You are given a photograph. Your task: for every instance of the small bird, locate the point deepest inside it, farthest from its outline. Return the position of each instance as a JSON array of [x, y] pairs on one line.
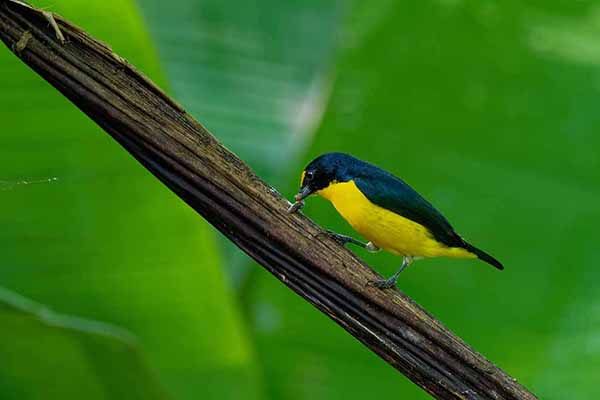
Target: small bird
[[385, 210]]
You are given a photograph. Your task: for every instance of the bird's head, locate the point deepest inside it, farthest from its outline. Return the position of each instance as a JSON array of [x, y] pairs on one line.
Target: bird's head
[[323, 171]]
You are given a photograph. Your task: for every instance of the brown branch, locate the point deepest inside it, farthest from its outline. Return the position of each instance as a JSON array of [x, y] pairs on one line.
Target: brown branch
[[219, 186]]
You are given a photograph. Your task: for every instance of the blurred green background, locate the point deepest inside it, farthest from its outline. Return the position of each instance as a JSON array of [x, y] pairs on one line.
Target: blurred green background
[[112, 288]]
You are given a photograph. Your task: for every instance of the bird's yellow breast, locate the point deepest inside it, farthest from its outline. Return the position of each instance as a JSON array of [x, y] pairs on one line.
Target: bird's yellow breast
[[386, 229]]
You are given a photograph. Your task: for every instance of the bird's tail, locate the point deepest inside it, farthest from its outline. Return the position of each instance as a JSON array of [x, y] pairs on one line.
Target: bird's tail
[[482, 255]]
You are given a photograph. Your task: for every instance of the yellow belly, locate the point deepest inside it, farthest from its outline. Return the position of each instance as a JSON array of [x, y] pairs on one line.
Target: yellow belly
[[384, 228]]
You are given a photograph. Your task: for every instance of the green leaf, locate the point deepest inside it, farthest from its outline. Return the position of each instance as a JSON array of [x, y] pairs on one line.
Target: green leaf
[[46, 355], [106, 240], [255, 73], [487, 109]]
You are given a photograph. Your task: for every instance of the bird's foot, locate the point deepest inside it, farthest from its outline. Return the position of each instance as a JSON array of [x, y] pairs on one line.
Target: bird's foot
[[392, 280], [384, 283], [343, 239]]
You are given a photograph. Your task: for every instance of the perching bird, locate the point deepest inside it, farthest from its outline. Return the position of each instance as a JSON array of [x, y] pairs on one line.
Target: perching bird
[[385, 210]]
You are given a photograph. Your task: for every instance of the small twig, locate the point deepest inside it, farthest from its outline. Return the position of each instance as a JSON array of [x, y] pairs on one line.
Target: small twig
[[297, 205], [11, 184], [50, 17]]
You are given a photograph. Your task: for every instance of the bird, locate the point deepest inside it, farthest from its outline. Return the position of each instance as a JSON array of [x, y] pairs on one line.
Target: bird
[[384, 209]]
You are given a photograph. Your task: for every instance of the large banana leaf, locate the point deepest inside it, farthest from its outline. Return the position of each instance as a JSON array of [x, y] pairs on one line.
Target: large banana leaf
[[489, 109], [46, 355], [106, 241], [252, 71], [255, 73]]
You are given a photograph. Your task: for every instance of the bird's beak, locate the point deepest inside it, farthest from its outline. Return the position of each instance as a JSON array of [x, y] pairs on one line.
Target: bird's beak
[[302, 194]]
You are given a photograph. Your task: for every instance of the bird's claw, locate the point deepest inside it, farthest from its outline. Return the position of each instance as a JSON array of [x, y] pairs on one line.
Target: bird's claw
[[329, 234], [341, 239], [332, 234], [383, 283]]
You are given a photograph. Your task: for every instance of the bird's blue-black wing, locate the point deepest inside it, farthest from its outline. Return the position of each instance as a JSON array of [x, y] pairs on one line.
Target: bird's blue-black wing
[[391, 193]]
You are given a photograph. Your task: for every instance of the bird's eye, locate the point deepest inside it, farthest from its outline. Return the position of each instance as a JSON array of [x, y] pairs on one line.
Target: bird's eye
[[309, 175]]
